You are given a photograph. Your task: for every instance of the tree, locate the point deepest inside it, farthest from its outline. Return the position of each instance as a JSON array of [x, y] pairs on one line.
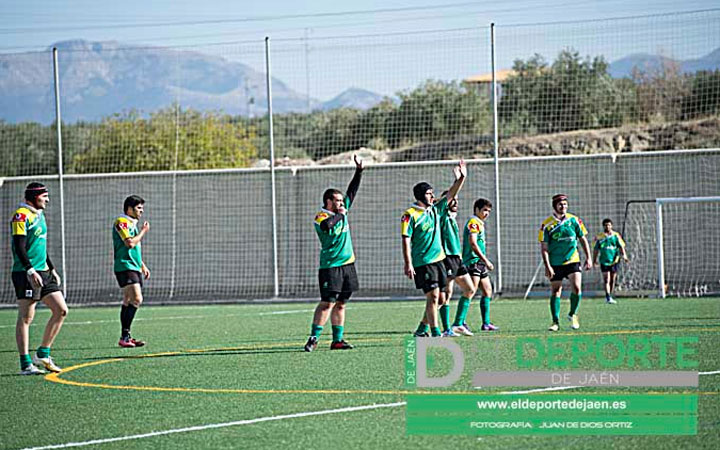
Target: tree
[[571, 94], [168, 139], [703, 98]]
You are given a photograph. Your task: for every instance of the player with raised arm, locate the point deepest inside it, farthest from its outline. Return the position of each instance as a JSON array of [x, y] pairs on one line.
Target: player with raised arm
[[422, 247], [130, 270], [558, 237], [337, 276], [476, 261], [456, 272], [35, 279], [609, 246]]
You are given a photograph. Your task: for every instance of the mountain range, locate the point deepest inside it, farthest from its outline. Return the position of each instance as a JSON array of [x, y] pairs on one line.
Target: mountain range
[[99, 79], [645, 62]]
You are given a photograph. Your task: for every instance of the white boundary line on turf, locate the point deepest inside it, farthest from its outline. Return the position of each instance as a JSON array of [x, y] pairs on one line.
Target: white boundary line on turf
[[714, 372], [220, 425], [247, 422], [92, 322]]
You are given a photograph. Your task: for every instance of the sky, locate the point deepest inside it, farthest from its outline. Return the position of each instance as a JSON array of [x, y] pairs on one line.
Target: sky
[[321, 47]]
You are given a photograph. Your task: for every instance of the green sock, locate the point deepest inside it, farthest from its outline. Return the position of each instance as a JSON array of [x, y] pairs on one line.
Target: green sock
[[25, 361], [485, 310], [422, 328], [574, 303], [435, 331], [43, 352], [337, 331], [445, 316], [316, 330], [462, 310], [555, 309]]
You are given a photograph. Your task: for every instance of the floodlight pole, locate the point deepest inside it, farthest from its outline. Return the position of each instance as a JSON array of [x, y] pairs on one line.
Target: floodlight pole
[[496, 151], [268, 78], [58, 122]]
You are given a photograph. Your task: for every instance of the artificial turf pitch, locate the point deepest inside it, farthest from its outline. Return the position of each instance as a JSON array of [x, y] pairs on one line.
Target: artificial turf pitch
[[207, 365]]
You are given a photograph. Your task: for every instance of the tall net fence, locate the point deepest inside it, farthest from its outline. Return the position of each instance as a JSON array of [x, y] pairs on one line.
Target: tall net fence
[[27, 110], [599, 187], [187, 128], [648, 79], [402, 93], [211, 231]]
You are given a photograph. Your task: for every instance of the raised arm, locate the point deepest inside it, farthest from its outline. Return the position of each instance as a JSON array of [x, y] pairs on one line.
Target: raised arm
[[355, 182], [460, 172]]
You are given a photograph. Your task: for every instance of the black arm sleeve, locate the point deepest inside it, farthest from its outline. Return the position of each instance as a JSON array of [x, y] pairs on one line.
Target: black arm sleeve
[[354, 185], [51, 266], [330, 222], [21, 252]]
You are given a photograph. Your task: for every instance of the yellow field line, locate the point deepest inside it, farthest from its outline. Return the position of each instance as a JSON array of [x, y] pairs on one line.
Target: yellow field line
[[56, 377]]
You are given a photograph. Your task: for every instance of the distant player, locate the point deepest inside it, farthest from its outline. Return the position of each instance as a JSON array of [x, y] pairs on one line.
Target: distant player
[[559, 236], [130, 270], [337, 276], [35, 278], [475, 259], [422, 247], [609, 246], [456, 271]]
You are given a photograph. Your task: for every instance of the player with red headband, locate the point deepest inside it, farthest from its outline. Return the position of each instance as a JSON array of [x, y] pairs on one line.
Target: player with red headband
[[35, 279], [559, 236]]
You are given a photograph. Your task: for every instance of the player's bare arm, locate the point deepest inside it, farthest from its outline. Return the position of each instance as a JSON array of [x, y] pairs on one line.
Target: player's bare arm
[[476, 249], [586, 249], [549, 272], [460, 173], [408, 268], [131, 242]]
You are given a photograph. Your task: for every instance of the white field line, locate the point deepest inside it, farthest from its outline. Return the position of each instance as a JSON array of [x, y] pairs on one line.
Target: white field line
[[221, 425], [274, 418], [93, 322]]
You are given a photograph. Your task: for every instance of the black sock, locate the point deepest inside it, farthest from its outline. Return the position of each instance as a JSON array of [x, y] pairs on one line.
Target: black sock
[[125, 327], [130, 315]]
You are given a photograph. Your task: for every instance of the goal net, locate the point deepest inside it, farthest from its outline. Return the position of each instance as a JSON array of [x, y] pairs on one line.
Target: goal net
[[671, 244]]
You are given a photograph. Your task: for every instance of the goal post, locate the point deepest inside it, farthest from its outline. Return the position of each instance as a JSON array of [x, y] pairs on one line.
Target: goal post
[[659, 203], [671, 247]]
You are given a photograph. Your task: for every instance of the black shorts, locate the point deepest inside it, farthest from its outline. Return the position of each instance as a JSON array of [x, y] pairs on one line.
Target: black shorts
[[564, 270], [478, 269], [431, 276], [128, 277], [612, 268], [336, 280], [25, 291], [454, 266]]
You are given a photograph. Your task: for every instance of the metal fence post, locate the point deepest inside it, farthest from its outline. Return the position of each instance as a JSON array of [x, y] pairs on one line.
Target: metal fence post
[[496, 151], [276, 283], [58, 122]]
